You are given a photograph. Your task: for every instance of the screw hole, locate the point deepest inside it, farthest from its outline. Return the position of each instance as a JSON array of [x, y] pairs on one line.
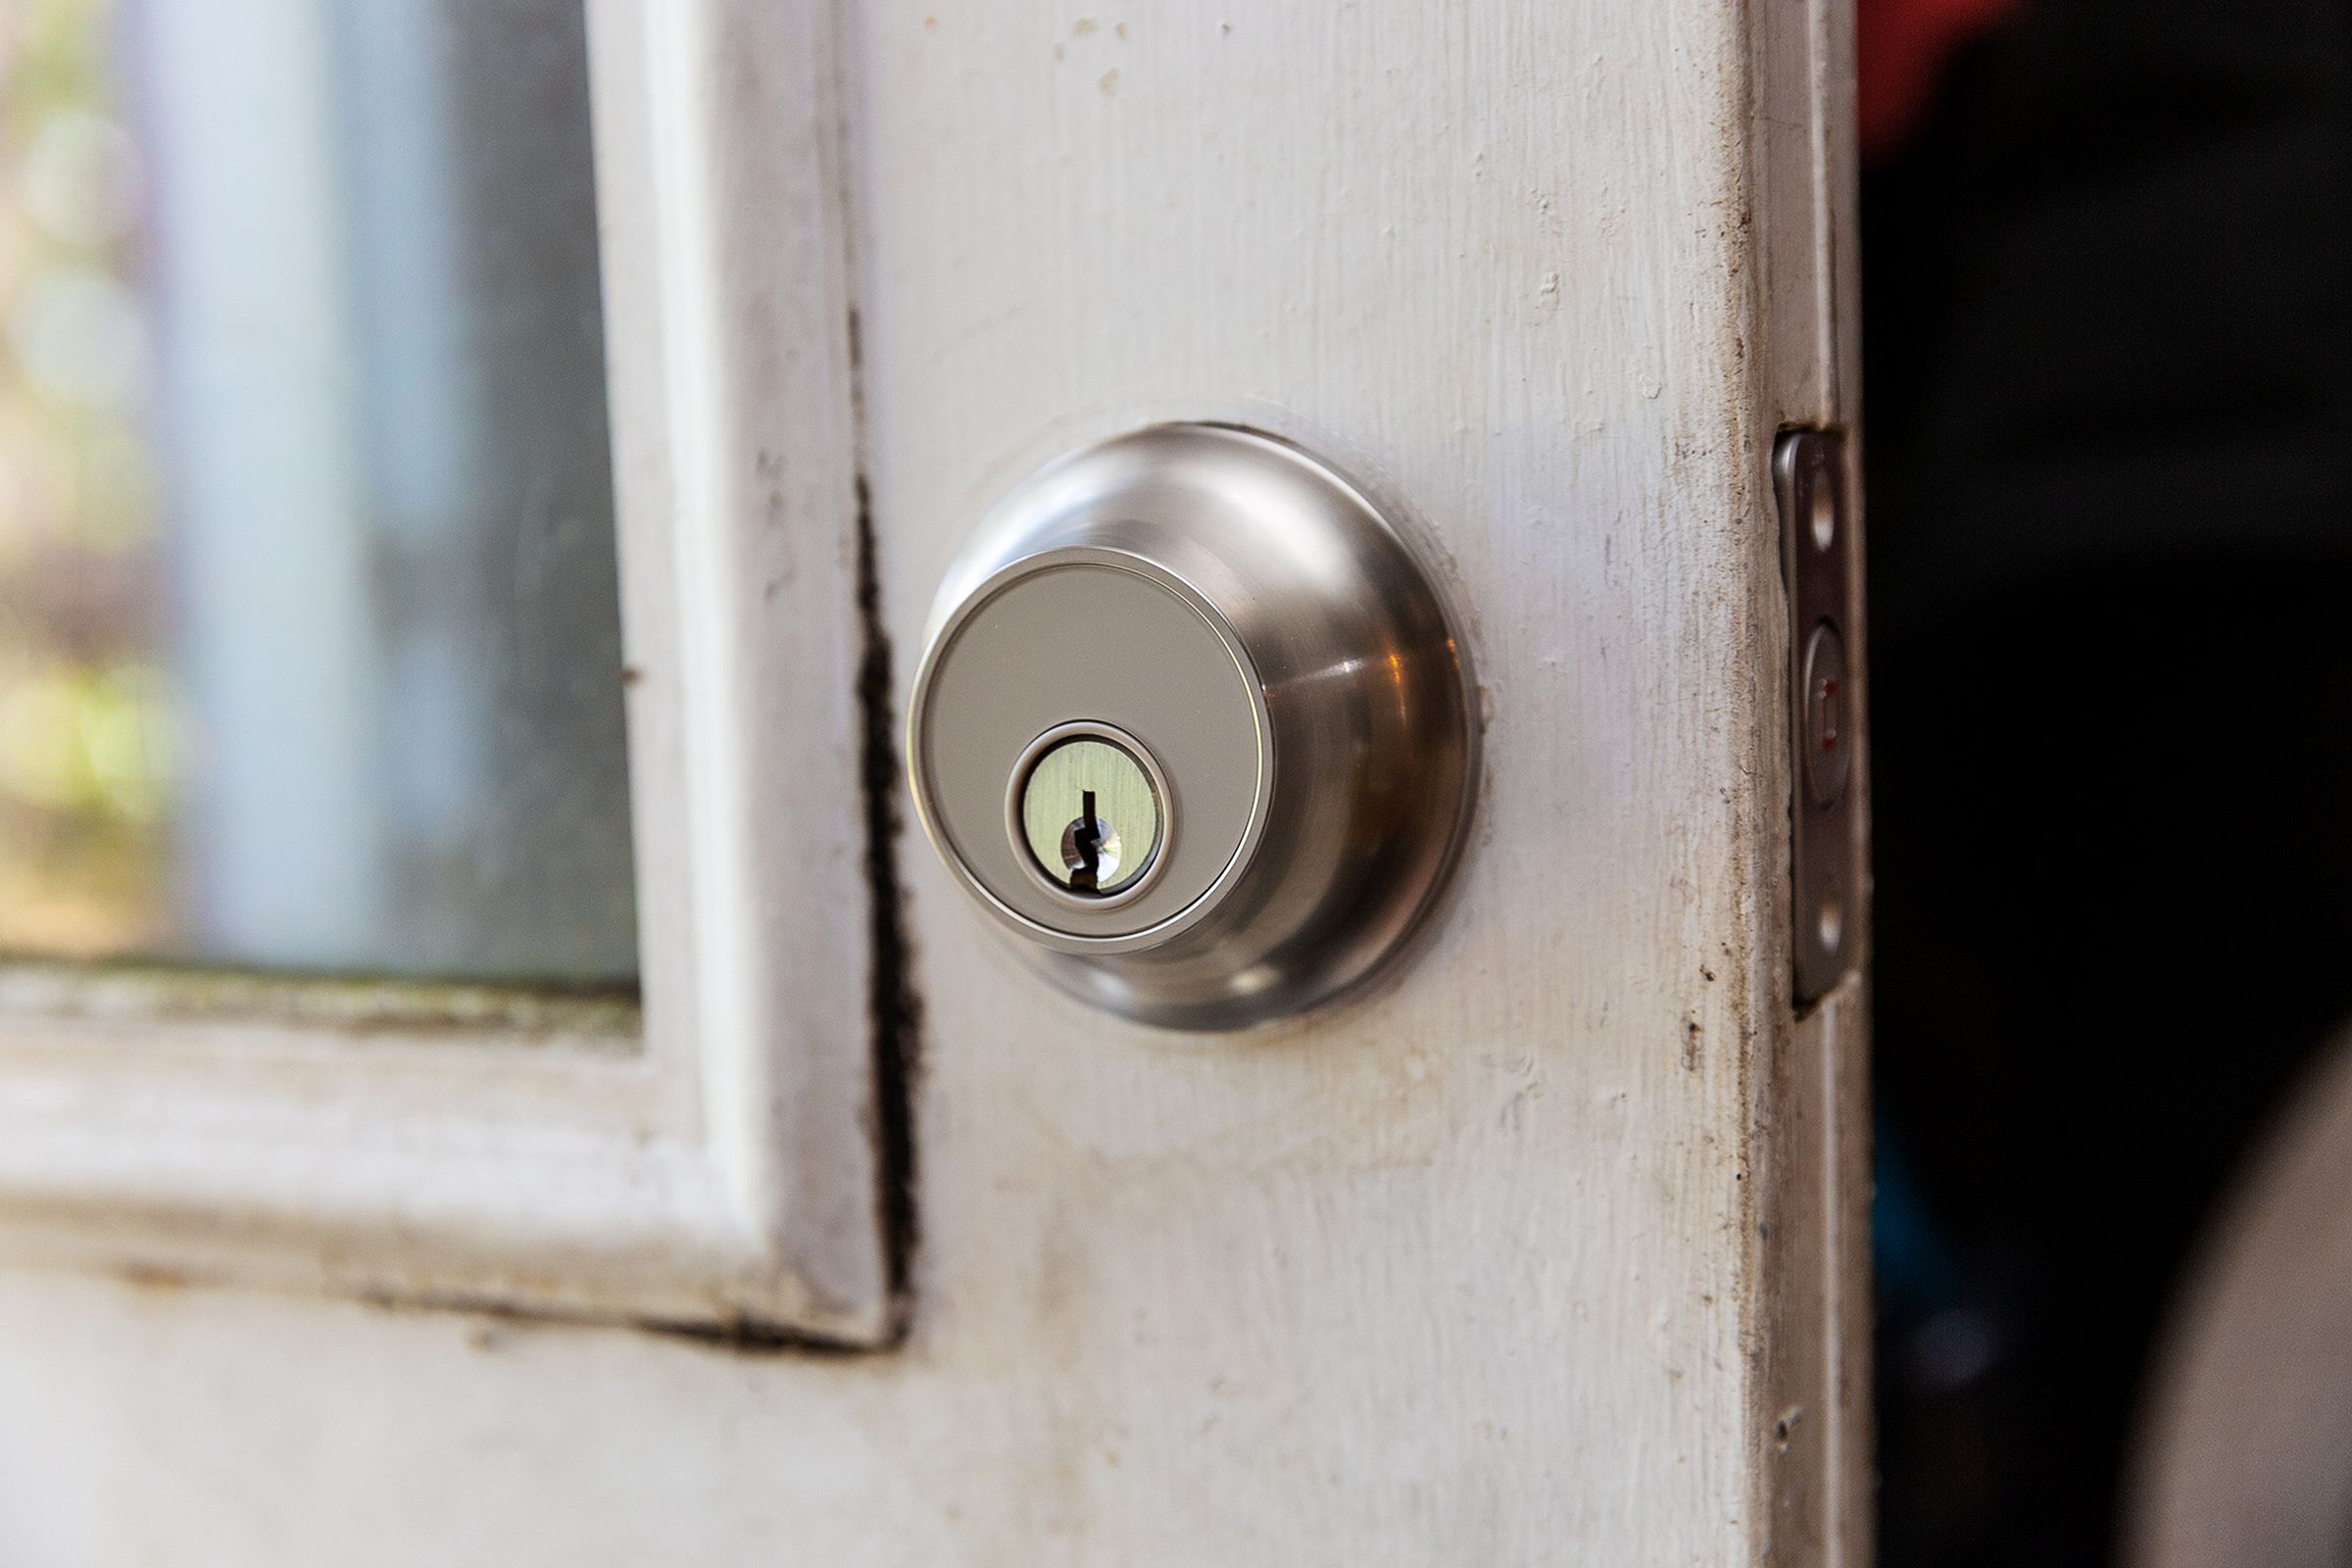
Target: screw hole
[[1821, 510], [1828, 922]]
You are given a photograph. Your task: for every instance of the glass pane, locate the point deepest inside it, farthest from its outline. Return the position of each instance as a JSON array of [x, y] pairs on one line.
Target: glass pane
[[309, 647]]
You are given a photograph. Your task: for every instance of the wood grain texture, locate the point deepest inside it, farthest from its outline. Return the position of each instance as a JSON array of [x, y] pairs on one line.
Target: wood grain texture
[[1460, 1272], [1520, 1259]]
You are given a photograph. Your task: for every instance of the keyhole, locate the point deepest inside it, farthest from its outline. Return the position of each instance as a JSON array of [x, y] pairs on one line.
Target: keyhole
[[1090, 849], [1086, 838], [1087, 855]]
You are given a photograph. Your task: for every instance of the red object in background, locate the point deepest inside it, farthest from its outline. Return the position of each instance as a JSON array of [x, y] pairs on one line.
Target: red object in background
[[1899, 50]]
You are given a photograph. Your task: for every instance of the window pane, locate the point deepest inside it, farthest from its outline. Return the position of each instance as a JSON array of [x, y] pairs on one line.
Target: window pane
[[310, 649]]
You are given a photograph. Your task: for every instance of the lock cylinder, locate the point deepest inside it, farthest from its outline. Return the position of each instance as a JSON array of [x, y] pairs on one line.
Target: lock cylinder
[[1100, 773], [1193, 723]]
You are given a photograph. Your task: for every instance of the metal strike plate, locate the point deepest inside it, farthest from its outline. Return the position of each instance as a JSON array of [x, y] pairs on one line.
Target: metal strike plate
[[1813, 483], [1193, 722]]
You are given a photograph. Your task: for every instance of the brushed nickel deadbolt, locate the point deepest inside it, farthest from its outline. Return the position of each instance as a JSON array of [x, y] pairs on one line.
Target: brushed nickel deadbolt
[[1192, 722]]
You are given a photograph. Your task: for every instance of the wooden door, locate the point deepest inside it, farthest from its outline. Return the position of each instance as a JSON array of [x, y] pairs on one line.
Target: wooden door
[[1548, 1247]]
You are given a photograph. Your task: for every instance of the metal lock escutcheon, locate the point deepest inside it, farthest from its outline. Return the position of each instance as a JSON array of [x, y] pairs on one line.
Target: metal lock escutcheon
[[1193, 723]]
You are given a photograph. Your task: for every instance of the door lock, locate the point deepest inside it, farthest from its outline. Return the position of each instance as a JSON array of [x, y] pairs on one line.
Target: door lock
[[1192, 722]]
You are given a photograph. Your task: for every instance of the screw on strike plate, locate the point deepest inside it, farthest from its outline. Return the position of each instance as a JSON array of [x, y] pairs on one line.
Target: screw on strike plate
[[1812, 482]]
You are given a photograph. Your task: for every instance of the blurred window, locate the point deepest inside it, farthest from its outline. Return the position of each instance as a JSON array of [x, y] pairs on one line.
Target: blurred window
[[309, 646]]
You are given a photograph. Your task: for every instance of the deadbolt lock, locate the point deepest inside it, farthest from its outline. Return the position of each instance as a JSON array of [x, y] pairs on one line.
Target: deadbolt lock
[[1193, 722]]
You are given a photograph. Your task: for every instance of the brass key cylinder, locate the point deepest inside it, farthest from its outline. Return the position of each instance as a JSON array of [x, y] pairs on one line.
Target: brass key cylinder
[[1192, 722]]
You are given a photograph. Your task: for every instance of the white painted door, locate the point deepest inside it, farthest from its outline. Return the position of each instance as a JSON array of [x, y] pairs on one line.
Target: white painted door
[[1546, 1248]]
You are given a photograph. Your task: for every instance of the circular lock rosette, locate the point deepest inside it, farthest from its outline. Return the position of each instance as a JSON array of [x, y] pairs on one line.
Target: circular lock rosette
[[1192, 722]]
